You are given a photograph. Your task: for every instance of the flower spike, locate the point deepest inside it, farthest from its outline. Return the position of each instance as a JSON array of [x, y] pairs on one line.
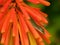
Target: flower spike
[[16, 26]]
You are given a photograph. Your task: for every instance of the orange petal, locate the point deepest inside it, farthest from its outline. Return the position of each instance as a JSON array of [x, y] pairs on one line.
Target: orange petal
[[44, 37], [33, 31], [46, 3], [23, 34]]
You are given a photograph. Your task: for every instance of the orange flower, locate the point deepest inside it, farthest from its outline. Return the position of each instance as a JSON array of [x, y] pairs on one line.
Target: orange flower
[[16, 25]]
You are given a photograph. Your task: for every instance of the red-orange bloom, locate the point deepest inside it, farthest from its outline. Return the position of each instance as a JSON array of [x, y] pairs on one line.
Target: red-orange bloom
[[21, 24]]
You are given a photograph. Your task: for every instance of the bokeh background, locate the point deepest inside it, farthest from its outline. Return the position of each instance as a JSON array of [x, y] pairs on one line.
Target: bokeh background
[[54, 21], [53, 27]]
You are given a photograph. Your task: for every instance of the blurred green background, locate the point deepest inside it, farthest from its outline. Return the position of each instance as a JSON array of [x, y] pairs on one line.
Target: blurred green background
[[53, 27]]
